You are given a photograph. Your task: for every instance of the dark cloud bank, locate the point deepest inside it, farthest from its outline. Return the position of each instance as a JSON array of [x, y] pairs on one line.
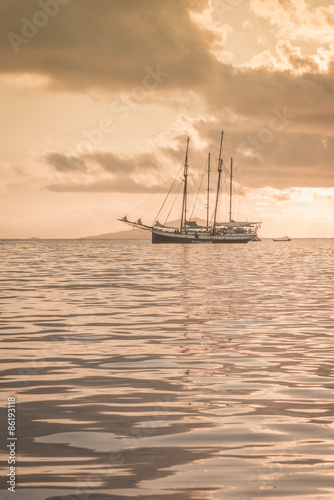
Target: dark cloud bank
[[283, 130]]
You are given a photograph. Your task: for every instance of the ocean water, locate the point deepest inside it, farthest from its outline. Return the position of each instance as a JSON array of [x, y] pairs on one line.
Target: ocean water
[[169, 372]]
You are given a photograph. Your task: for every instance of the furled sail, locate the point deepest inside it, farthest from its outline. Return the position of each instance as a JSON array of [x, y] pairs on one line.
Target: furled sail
[[191, 223]]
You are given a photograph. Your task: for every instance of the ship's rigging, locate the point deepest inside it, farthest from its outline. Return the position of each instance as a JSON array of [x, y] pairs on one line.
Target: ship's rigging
[[189, 231]]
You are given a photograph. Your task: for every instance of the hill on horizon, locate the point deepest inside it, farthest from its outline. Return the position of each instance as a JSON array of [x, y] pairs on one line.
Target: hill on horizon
[[135, 234], [132, 234]]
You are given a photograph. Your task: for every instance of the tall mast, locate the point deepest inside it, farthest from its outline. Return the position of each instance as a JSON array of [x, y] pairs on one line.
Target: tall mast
[[220, 168], [208, 195], [185, 190], [231, 177]]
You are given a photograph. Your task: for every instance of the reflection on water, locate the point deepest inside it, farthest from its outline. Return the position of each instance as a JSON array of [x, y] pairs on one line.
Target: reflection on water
[[174, 372]]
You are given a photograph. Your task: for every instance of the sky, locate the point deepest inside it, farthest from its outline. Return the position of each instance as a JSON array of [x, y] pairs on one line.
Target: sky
[[98, 98]]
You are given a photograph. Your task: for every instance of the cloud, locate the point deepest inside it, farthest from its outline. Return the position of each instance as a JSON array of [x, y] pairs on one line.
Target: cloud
[[115, 164], [120, 185], [282, 196], [296, 19], [253, 94], [283, 159], [295, 60], [107, 44], [293, 160], [63, 163], [105, 160], [104, 171], [290, 58], [288, 159]]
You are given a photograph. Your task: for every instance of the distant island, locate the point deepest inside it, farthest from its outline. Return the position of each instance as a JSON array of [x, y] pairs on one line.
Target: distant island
[[134, 234]]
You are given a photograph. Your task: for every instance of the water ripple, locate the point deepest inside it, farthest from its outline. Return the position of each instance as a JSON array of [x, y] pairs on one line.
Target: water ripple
[[170, 372]]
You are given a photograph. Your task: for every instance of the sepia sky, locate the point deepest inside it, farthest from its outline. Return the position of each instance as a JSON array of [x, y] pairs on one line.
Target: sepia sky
[[98, 97]]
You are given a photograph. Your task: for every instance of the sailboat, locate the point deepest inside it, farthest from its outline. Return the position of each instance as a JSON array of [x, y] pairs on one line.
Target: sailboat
[[191, 232]]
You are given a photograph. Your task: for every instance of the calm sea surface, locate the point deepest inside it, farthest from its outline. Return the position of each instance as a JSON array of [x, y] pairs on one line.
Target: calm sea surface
[[169, 372]]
